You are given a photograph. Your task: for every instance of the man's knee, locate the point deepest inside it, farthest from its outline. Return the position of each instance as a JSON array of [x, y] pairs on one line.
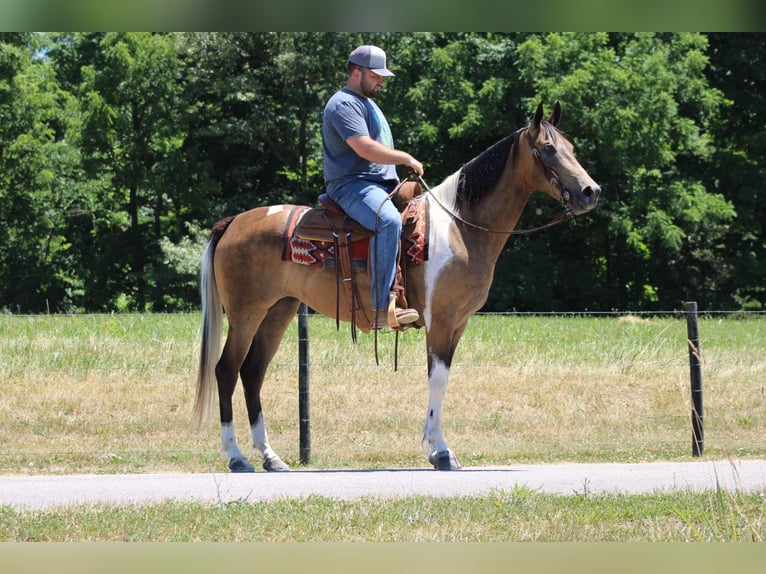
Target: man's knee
[[390, 217]]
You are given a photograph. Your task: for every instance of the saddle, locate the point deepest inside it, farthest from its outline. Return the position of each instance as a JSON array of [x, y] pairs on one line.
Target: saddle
[[329, 224]]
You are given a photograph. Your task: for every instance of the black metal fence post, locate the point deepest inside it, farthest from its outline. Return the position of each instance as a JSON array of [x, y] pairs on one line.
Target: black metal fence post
[[303, 384], [695, 371]]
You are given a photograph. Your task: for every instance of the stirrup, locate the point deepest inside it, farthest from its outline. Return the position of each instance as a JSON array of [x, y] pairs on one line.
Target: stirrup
[[403, 318], [395, 317], [398, 320]]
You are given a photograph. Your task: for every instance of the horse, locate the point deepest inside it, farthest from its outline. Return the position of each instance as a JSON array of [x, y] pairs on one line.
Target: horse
[[472, 213]]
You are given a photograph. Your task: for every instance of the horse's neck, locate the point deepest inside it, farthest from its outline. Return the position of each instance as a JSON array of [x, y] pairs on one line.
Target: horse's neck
[[499, 210], [503, 206]]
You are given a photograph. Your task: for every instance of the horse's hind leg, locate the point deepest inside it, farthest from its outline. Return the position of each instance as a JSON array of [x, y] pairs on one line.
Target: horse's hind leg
[[264, 345], [238, 342]]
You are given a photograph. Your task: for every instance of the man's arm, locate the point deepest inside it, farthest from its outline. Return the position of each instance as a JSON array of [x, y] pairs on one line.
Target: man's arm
[[371, 150]]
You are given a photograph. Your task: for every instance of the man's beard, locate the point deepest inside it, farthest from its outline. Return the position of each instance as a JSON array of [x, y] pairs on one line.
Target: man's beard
[[370, 92]]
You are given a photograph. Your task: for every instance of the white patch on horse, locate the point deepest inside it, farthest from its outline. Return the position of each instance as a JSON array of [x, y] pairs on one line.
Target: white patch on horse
[[229, 441], [261, 438], [433, 438], [439, 250], [275, 210]]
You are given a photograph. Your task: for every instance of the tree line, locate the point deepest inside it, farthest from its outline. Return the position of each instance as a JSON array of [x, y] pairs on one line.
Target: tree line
[[118, 151]]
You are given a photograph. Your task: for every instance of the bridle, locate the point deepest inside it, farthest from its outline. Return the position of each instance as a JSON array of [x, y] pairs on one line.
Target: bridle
[[549, 173]]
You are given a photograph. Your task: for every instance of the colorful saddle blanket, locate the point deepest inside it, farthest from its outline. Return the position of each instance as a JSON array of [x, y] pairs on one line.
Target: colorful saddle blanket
[[316, 253]]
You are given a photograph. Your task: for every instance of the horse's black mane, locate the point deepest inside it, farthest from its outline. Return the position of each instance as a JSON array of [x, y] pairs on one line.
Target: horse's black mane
[[479, 175]]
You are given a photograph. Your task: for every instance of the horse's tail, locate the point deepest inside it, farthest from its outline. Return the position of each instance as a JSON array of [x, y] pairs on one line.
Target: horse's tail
[[212, 326]]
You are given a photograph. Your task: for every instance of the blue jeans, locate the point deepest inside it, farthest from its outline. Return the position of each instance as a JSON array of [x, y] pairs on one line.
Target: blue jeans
[[367, 203]]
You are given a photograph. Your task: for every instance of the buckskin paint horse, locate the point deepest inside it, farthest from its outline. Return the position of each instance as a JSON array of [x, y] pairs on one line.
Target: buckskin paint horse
[[472, 214]]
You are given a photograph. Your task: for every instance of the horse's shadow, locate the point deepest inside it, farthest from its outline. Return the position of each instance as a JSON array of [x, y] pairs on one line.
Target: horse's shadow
[[382, 470]]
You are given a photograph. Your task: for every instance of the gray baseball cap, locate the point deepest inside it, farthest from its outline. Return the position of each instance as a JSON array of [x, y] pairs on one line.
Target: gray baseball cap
[[371, 57]]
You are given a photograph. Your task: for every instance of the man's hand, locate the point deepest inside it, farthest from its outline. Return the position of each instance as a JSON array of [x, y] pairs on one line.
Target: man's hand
[[414, 166]]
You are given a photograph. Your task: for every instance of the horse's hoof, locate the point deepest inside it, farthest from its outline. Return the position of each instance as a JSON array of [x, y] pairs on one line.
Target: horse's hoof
[[240, 465], [275, 464], [445, 460]]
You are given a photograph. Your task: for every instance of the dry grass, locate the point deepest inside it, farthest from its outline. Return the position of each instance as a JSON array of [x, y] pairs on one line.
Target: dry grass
[[114, 393]]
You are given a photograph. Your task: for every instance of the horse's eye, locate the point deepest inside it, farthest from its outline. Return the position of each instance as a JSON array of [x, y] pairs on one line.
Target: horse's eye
[[549, 148]]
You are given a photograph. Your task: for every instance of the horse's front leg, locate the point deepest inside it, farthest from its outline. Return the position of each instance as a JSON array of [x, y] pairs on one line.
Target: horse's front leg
[[440, 455]]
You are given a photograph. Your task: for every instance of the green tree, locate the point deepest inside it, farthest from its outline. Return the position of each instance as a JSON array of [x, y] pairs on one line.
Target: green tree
[[257, 100], [453, 96], [132, 134], [39, 171], [738, 170], [118, 150], [639, 109], [309, 69]]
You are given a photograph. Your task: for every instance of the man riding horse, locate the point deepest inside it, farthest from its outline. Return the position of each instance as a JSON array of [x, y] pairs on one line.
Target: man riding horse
[[360, 172]]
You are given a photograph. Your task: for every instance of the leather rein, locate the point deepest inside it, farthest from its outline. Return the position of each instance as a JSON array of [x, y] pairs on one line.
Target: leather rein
[[549, 174]]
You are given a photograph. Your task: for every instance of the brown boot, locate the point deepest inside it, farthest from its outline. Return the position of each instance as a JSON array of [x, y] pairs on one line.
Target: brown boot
[[395, 319]]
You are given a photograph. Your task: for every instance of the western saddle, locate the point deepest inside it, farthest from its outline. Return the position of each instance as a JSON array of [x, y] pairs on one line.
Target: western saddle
[[329, 223]]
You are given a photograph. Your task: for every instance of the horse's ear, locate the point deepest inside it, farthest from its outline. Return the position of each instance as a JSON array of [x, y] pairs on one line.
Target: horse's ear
[[556, 115], [538, 115]]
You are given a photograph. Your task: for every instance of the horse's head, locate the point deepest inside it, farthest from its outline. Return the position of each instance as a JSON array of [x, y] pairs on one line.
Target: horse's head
[[560, 174]]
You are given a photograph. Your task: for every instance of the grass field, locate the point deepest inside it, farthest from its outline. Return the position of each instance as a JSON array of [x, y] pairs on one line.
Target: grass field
[[114, 393], [518, 515]]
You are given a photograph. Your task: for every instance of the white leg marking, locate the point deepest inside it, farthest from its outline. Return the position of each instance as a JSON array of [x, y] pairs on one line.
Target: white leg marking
[[261, 439], [229, 441], [439, 256], [433, 438]]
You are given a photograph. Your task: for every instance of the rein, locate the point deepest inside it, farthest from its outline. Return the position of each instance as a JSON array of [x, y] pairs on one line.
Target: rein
[[560, 218], [549, 173]]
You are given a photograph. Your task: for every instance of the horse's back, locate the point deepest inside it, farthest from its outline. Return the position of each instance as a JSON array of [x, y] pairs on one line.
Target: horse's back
[[259, 223], [248, 256]]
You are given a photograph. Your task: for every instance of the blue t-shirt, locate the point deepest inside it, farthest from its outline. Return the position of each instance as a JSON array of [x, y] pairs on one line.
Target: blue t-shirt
[[346, 115]]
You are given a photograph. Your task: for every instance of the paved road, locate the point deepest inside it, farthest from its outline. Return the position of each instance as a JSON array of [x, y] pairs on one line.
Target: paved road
[[34, 492]]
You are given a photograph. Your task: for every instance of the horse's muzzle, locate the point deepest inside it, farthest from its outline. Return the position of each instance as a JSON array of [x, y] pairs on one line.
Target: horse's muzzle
[[583, 200]]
